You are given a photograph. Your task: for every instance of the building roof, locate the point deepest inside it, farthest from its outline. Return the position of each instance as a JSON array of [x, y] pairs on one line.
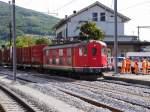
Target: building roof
[[63, 21]]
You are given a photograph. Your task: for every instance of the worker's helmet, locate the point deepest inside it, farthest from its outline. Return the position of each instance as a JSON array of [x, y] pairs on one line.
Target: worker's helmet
[[128, 57]]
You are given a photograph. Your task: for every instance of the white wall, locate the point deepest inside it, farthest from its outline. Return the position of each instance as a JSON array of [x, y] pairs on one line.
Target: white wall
[[122, 49], [107, 26], [63, 30]]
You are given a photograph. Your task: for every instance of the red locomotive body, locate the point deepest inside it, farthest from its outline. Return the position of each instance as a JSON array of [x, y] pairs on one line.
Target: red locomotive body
[[87, 57]]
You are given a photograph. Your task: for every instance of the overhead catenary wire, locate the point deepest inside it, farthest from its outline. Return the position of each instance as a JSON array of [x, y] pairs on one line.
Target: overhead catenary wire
[[65, 5], [112, 6], [135, 5]]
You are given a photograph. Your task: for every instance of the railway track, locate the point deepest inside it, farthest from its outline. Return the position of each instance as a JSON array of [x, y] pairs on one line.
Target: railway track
[[93, 102], [88, 100], [11, 102], [108, 90], [97, 103], [115, 94], [124, 83], [92, 88]]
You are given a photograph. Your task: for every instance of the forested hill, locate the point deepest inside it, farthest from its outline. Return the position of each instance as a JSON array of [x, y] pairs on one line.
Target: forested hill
[[27, 21]]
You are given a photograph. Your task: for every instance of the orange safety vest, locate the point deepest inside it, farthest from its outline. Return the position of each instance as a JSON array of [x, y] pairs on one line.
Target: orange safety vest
[[124, 63], [128, 63], [136, 65], [144, 64]]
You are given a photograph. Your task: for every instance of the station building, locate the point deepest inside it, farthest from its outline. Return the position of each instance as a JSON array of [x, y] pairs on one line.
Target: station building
[[103, 16]]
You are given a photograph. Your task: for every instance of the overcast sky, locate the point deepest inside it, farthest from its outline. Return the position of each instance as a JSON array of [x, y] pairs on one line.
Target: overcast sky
[[137, 10]]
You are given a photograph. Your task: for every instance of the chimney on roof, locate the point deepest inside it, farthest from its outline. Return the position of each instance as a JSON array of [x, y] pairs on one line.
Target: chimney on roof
[[66, 16], [74, 11]]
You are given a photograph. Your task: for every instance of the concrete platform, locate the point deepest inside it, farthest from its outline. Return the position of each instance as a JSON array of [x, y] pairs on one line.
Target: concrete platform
[[129, 78]]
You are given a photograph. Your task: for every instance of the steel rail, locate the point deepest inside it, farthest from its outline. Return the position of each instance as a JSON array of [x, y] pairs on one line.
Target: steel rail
[[93, 102], [15, 97]]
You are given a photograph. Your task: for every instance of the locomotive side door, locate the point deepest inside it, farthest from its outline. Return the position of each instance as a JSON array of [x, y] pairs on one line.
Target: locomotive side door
[[94, 55]]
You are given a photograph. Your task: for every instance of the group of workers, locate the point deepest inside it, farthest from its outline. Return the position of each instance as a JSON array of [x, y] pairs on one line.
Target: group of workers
[[126, 66]]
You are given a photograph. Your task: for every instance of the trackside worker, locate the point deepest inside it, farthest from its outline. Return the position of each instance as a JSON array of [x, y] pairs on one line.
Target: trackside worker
[[128, 65], [144, 66], [123, 68], [136, 68]]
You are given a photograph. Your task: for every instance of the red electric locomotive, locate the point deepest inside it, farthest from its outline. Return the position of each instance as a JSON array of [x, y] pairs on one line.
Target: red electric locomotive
[[85, 57]]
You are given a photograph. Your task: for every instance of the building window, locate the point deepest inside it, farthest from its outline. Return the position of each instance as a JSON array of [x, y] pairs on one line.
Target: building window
[[59, 35], [94, 16], [102, 16]]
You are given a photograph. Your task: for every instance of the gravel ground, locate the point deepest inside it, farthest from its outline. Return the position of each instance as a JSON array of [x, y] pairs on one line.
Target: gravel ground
[[105, 97], [47, 89], [126, 98]]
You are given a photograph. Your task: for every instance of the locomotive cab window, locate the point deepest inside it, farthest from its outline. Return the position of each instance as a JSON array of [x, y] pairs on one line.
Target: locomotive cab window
[[83, 51], [94, 51]]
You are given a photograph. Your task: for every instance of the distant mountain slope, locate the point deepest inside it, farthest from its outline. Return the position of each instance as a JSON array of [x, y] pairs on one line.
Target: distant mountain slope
[[27, 21]]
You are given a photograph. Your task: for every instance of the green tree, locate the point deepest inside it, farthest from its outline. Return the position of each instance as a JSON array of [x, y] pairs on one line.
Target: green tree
[[90, 31], [25, 41], [43, 40]]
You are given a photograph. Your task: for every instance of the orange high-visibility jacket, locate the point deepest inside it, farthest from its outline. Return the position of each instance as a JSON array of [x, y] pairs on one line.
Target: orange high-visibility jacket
[[124, 63], [144, 64], [136, 65], [128, 63]]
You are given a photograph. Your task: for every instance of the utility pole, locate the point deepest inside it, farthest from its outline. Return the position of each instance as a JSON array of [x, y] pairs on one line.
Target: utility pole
[[14, 39], [115, 36], [10, 24], [138, 32]]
